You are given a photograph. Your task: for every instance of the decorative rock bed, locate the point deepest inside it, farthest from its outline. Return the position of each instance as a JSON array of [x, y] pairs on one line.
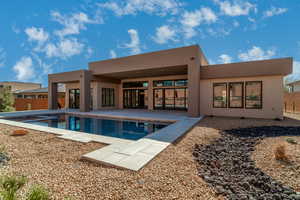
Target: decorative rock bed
[[226, 164]]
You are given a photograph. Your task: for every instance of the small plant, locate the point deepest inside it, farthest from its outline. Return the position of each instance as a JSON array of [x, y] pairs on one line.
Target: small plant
[[2, 149], [291, 141], [280, 153], [3, 155], [9, 185], [38, 192]]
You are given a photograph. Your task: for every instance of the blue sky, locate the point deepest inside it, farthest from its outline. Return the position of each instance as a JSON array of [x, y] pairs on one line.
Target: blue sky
[[41, 37]]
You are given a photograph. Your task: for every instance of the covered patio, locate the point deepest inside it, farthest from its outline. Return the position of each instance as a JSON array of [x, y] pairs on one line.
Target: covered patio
[[169, 65]]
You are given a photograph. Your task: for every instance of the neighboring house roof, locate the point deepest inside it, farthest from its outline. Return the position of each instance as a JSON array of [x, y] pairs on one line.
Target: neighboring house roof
[[39, 90], [19, 82], [294, 82]]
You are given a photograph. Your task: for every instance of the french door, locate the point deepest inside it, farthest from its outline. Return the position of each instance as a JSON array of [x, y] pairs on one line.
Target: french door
[[171, 98], [135, 98]]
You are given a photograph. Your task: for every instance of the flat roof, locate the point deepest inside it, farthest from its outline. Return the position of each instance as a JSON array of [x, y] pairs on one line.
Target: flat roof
[[278, 66], [39, 90], [20, 82]]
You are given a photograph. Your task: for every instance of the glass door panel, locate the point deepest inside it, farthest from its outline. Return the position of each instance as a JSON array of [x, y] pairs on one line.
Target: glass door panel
[[158, 98], [169, 99], [74, 98], [180, 99], [135, 98]]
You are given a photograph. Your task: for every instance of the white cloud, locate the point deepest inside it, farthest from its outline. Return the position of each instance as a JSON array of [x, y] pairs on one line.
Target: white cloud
[[224, 58], [15, 29], [65, 48], [274, 11], [45, 68], [73, 24], [237, 8], [113, 54], [2, 57], [132, 7], [24, 69], [191, 20], [164, 34], [134, 44], [37, 34], [89, 52], [257, 53]]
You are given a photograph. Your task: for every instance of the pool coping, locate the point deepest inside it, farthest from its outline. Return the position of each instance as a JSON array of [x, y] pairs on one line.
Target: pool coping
[[122, 153]]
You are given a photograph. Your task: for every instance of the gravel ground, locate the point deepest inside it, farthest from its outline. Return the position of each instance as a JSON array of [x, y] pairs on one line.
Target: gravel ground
[[172, 174], [55, 164], [287, 173]]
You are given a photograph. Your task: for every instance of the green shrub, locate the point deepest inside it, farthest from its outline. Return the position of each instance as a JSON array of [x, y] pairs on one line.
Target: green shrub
[[291, 141], [3, 155], [9, 185], [38, 192]]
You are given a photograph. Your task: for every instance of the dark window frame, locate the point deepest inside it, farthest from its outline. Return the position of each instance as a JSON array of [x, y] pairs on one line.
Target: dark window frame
[[261, 94], [226, 85], [243, 94], [108, 97]]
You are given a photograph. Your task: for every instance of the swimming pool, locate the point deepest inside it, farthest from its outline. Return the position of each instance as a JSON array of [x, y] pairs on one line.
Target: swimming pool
[[125, 129]]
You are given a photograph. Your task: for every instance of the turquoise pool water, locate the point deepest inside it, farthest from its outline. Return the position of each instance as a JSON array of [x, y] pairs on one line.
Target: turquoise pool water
[[126, 129]]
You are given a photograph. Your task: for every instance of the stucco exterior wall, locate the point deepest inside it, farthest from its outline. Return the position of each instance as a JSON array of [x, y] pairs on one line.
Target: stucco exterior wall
[[272, 95], [96, 88]]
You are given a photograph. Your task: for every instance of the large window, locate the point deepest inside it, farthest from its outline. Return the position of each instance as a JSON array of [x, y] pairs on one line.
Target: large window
[[236, 94], [254, 94], [108, 97], [220, 95]]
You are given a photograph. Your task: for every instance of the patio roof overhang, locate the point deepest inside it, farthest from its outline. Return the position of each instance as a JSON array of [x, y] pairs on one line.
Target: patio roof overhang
[[162, 71]]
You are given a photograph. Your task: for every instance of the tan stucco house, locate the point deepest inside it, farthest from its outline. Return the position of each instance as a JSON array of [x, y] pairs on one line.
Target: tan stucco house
[[176, 79]]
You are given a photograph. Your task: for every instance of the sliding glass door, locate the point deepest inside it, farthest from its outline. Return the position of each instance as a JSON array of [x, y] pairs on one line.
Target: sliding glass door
[[135, 98], [171, 99]]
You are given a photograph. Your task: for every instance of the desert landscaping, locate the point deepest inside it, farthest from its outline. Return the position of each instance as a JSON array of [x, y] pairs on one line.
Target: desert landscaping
[[176, 173]]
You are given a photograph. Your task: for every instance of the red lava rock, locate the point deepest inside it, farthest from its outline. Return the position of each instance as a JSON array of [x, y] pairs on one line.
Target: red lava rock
[[19, 132]]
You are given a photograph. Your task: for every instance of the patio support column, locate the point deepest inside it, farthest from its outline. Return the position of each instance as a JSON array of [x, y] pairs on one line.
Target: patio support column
[[194, 87], [150, 95], [85, 91], [52, 95]]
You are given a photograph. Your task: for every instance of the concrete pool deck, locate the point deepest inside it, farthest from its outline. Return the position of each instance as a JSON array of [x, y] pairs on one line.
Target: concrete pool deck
[[128, 154]]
